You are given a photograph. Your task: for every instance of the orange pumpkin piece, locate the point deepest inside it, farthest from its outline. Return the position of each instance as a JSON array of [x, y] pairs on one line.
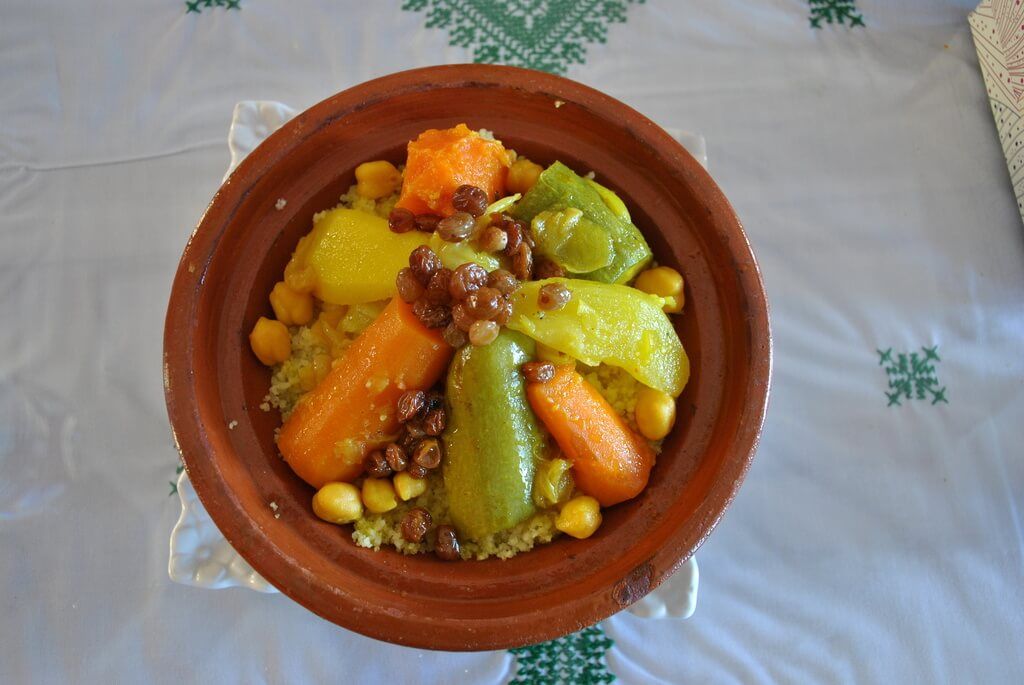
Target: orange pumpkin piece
[[352, 411], [610, 462], [439, 161]]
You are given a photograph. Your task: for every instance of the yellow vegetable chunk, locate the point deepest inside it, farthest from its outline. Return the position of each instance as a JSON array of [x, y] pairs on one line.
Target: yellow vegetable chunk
[[614, 324], [354, 257], [271, 341], [655, 413], [338, 503], [580, 517], [664, 282]]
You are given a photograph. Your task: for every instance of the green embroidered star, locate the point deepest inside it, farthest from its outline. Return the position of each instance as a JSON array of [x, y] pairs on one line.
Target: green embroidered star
[[196, 5], [548, 35], [834, 12], [574, 659], [912, 376]]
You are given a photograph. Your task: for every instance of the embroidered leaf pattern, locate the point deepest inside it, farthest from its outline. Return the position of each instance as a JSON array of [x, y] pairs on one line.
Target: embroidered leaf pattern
[[548, 35], [577, 659], [842, 12]]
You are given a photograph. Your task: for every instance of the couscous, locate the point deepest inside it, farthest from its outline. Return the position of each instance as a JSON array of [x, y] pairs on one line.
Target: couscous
[[459, 360]]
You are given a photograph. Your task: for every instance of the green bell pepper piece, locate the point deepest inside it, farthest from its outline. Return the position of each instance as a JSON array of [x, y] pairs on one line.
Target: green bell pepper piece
[[558, 188]]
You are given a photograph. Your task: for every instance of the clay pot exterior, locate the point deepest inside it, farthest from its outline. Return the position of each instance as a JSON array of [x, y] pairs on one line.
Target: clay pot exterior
[[239, 251]]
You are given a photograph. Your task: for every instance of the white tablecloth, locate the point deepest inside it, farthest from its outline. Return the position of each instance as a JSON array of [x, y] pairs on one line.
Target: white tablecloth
[[877, 537]]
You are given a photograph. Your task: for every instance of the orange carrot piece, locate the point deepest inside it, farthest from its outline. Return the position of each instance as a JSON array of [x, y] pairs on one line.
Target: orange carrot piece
[[610, 462], [439, 161], [352, 411]]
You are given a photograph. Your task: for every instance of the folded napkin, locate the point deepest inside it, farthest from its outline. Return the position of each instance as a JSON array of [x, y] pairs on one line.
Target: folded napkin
[[998, 29]]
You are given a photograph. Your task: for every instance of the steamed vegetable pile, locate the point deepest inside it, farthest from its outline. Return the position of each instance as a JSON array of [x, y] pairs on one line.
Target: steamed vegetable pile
[[485, 296]]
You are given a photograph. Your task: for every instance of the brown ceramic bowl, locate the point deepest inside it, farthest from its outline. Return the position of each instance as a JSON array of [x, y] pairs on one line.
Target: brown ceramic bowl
[[240, 249]]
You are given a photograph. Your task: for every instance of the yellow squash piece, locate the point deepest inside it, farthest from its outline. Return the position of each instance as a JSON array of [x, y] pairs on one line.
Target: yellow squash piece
[[613, 324], [353, 257]]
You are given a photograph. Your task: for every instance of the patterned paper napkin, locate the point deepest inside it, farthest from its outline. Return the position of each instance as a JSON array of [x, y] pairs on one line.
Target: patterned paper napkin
[[998, 28]]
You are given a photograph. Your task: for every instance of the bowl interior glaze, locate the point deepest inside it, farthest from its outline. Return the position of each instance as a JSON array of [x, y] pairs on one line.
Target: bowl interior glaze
[[239, 251]]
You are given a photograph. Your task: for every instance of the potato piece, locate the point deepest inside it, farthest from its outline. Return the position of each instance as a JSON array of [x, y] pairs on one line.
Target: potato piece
[[354, 257]]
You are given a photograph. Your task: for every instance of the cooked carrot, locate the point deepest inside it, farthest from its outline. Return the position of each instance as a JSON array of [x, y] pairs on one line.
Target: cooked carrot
[[610, 462], [439, 161], [352, 411]]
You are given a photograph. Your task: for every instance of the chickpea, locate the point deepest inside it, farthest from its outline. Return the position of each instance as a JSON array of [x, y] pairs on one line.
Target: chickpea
[[292, 308], [655, 413], [271, 341], [377, 179], [580, 517], [338, 503], [379, 495], [407, 487], [663, 281], [522, 175]]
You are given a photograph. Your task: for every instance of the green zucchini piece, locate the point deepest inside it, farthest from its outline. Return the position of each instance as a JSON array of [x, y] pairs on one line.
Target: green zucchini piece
[[558, 188], [572, 241], [610, 324], [611, 200], [493, 442]]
